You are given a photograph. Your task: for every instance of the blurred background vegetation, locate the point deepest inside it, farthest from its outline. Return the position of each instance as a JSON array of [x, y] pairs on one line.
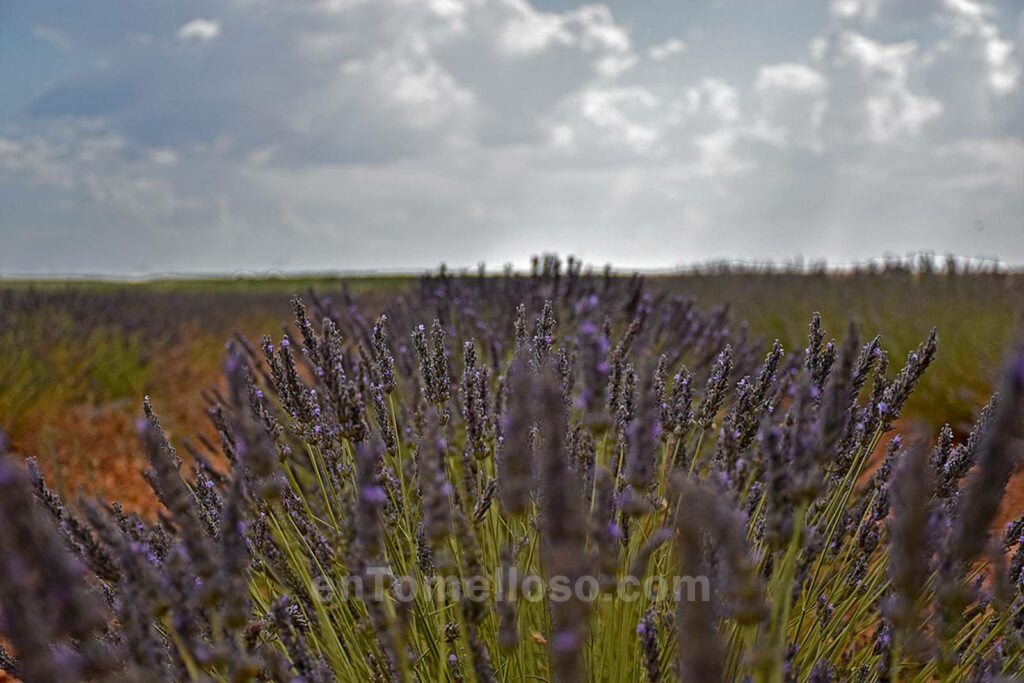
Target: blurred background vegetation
[[76, 358]]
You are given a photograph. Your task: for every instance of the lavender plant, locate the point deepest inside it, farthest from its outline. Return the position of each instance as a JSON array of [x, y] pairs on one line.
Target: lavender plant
[[561, 476]]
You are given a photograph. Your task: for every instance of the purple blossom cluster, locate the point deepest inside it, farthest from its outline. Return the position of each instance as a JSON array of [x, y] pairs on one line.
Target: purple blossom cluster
[[562, 423]]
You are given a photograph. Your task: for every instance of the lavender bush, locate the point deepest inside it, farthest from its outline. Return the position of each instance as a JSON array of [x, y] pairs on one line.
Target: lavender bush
[[569, 427]]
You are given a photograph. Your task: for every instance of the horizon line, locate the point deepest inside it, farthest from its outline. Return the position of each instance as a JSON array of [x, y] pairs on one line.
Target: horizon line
[[917, 261]]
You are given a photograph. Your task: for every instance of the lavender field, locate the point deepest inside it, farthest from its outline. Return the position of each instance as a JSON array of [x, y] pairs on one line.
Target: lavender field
[[562, 474], [299, 383]]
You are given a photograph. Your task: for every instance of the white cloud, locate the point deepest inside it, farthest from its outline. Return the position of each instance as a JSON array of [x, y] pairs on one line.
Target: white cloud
[[469, 129], [199, 30], [449, 9], [88, 165], [966, 8], [718, 97], [590, 27], [902, 15], [52, 36], [718, 159], [866, 10], [667, 49], [598, 29], [975, 31], [894, 114], [789, 76], [418, 89], [531, 32], [874, 97], [163, 157], [609, 110], [874, 58], [793, 104]]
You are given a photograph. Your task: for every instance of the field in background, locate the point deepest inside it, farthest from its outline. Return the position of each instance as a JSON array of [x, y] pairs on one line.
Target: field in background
[[975, 315], [76, 358]]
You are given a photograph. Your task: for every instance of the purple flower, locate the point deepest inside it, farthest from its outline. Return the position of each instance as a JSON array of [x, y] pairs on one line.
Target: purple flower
[[566, 641], [374, 495]]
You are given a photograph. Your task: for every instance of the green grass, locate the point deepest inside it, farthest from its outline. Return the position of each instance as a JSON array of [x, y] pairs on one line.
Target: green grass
[[974, 314], [45, 362], [66, 370], [254, 284]]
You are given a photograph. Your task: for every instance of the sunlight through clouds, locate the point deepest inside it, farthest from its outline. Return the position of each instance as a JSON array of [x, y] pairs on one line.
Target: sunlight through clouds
[[523, 116]]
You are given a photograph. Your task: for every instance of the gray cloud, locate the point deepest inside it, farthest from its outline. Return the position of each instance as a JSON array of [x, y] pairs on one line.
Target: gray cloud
[[251, 134]]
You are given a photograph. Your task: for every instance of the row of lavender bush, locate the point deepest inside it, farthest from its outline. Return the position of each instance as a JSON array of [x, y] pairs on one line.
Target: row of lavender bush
[[561, 424]]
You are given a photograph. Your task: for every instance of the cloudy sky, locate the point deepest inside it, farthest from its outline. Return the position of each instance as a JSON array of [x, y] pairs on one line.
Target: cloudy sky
[[142, 136]]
